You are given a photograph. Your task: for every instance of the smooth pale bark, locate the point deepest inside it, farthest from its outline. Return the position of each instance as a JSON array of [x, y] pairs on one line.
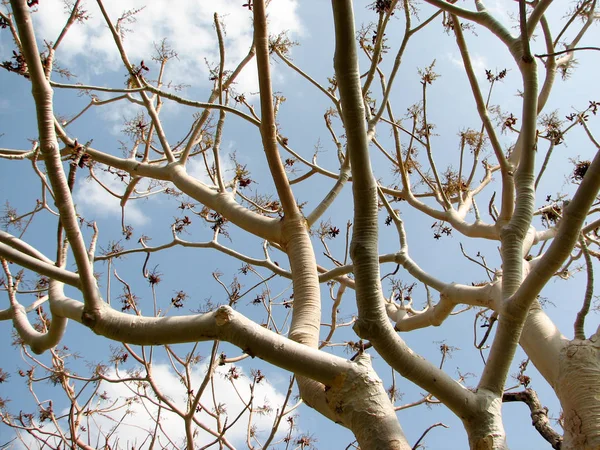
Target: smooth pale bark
[[485, 429], [575, 376], [39, 266], [306, 317], [346, 392], [578, 389], [480, 412], [514, 233], [572, 367], [42, 95], [367, 409], [38, 341], [543, 342], [488, 433], [223, 203], [295, 240], [364, 245]]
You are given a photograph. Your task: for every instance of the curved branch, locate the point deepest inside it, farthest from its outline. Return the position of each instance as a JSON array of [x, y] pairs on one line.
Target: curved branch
[[41, 341], [372, 323], [579, 325], [268, 127], [42, 94], [507, 179], [331, 195], [39, 266], [482, 17], [485, 296], [539, 415]]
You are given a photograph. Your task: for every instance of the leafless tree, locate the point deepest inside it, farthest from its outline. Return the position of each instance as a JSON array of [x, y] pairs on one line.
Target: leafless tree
[[294, 333]]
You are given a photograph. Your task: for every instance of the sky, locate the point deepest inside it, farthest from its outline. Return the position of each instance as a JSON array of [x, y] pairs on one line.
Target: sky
[[90, 54]]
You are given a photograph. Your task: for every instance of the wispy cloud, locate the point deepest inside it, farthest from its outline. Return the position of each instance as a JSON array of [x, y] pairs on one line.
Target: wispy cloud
[[500, 10], [137, 418], [479, 63], [189, 27], [94, 201]]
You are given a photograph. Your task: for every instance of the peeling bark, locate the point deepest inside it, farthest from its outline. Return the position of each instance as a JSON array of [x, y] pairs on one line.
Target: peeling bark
[[485, 429], [539, 415], [578, 388]]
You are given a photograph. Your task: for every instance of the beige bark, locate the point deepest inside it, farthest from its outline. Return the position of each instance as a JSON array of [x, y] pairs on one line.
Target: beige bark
[[344, 391], [578, 390], [572, 367]]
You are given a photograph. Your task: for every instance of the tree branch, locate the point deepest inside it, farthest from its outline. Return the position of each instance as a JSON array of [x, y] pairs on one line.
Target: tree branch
[[539, 415], [42, 94]]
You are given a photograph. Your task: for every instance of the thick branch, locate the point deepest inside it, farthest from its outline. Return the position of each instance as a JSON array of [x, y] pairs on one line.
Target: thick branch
[[539, 415], [268, 127], [42, 94], [513, 237], [373, 323]]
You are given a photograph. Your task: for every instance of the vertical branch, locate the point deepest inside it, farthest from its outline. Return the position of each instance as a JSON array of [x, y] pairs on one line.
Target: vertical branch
[[268, 127], [384, 17], [507, 180], [306, 318], [139, 83], [440, 189], [513, 234], [527, 56], [52, 49], [544, 165], [579, 325], [196, 134], [216, 147], [363, 249], [221, 56], [550, 65], [528, 26], [221, 122], [42, 94], [373, 323]]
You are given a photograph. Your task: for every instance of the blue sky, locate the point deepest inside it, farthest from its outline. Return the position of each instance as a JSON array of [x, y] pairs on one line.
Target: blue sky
[[90, 54]]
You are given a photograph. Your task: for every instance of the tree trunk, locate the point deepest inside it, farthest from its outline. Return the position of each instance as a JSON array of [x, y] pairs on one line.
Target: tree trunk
[[578, 389], [485, 429], [572, 368]]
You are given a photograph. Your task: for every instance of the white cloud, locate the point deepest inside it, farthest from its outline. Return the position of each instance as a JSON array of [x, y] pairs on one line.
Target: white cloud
[[117, 113], [138, 415], [499, 9], [478, 62], [93, 201], [188, 26]]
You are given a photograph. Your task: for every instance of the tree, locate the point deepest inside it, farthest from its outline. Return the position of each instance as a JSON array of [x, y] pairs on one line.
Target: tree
[[246, 200]]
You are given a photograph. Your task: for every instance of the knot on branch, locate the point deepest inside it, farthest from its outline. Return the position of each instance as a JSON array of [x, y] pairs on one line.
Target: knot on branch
[[293, 228], [357, 395], [361, 249], [365, 328], [89, 318], [49, 148], [223, 315]]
